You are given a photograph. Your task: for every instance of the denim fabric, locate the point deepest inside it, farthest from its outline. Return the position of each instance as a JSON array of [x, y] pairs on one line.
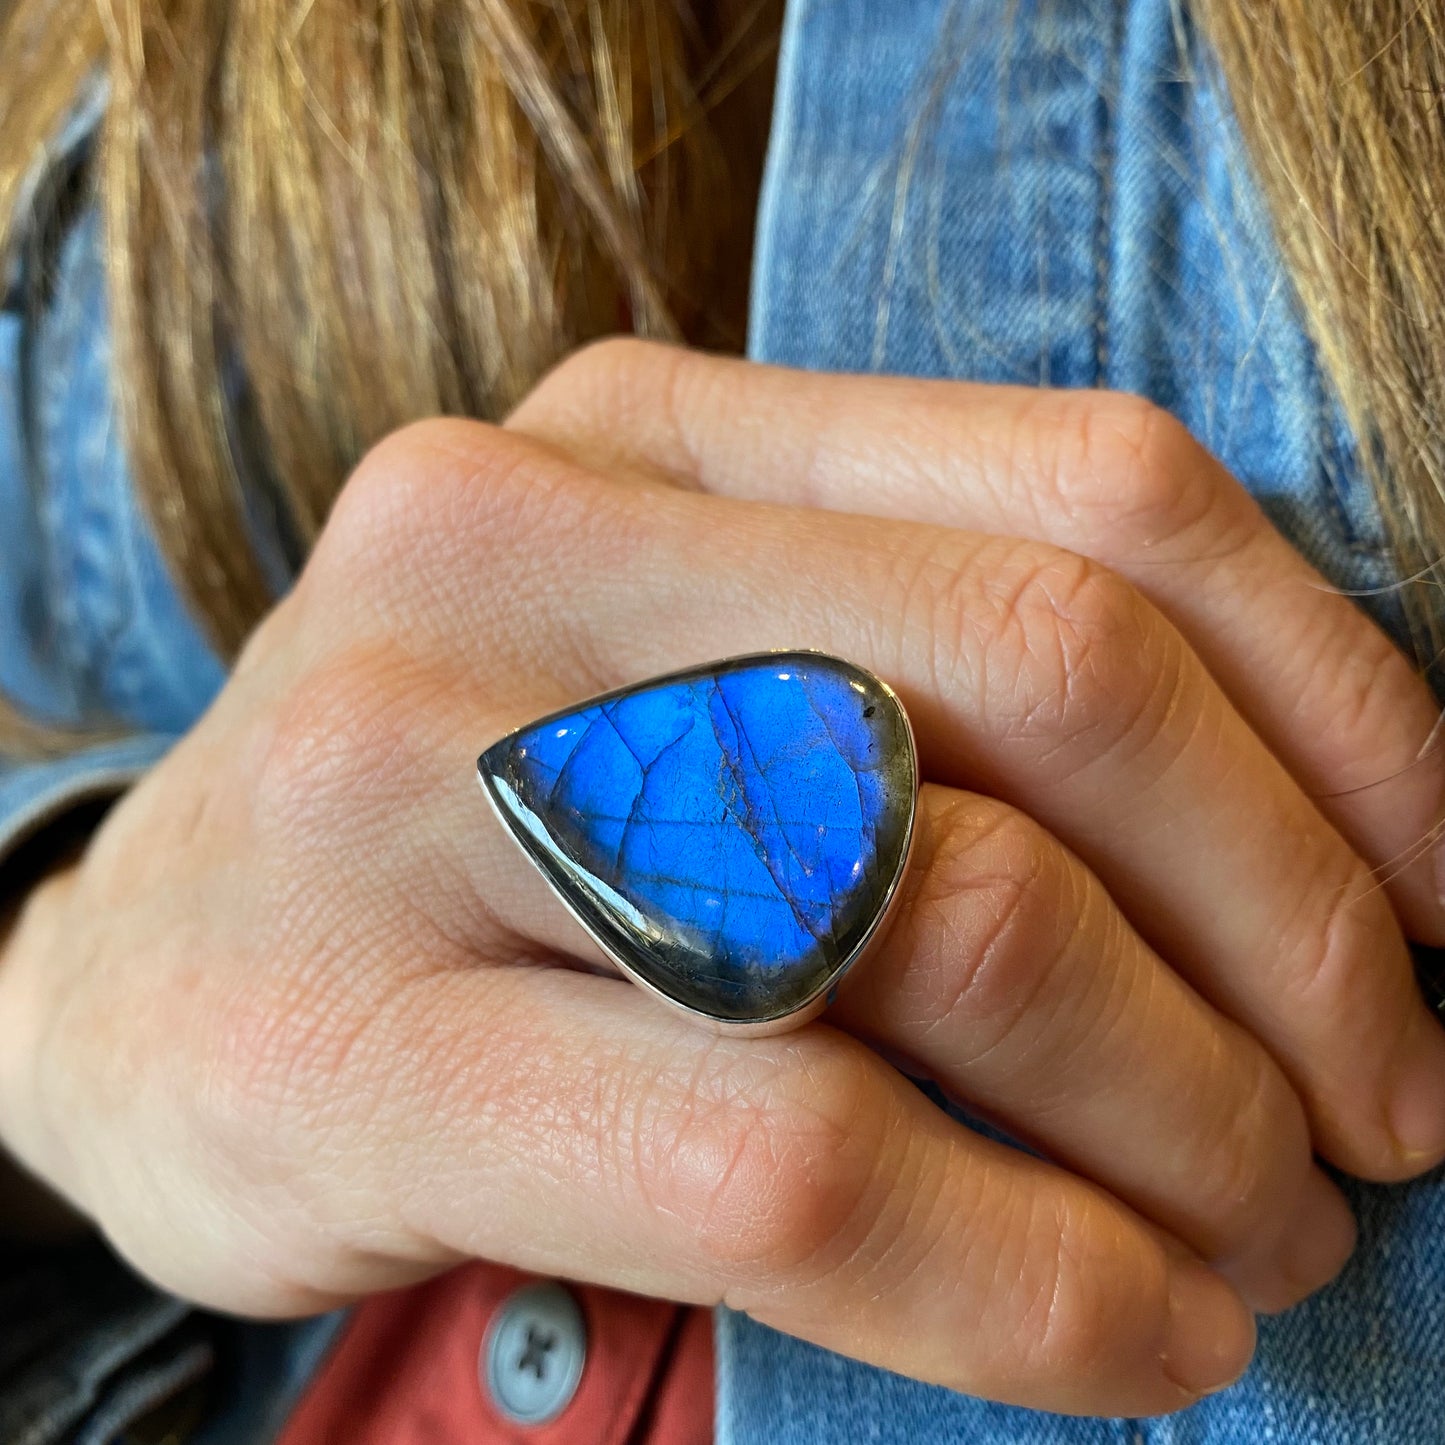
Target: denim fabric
[[1062, 200], [1054, 199], [81, 1339], [1046, 192], [90, 627]]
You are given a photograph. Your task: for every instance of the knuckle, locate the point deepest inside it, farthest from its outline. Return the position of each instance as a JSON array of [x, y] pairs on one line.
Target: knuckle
[[600, 399], [1137, 469], [1376, 705], [450, 518], [435, 492], [1343, 926], [767, 1165], [343, 739], [597, 372], [1257, 1146], [384, 494], [1077, 656], [1085, 1297], [1000, 900]]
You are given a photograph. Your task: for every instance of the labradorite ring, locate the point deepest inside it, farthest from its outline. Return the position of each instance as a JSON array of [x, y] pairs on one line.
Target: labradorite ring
[[732, 836]]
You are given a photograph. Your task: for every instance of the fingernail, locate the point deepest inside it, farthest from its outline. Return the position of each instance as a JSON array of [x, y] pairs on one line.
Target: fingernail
[[1312, 1249], [1319, 1240], [1210, 1337], [1417, 1106]]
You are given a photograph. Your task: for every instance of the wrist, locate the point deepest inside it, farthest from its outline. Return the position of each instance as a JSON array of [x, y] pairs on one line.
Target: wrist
[[29, 1211]]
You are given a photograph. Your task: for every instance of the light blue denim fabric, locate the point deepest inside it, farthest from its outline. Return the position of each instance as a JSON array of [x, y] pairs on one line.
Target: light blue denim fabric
[[90, 626], [1045, 192]]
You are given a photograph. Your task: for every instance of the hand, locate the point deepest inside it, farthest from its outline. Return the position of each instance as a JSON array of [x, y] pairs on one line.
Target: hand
[[305, 1024]]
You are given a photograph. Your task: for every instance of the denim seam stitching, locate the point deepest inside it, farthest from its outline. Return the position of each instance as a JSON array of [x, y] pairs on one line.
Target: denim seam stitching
[[1108, 163]]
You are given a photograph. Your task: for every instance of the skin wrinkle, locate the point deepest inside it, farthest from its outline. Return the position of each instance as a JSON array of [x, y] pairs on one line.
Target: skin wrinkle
[[1079, 899], [1328, 919], [1238, 1176], [759, 1122], [1109, 1026], [1167, 694], [849, 1204], [1143, 726], [1129, 474], [996, 954], [944, 897], [880, 1270], [681, 1107], [1047, 1301], [1356, 693]]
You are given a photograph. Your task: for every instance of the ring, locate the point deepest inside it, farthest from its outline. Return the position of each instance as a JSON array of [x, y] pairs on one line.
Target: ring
[[732, 836]]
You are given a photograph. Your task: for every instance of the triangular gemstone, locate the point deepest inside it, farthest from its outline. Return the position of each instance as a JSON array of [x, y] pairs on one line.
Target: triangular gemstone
[[731, 835]]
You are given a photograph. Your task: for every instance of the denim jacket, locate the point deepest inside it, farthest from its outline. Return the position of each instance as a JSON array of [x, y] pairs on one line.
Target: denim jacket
[[1048, 192]]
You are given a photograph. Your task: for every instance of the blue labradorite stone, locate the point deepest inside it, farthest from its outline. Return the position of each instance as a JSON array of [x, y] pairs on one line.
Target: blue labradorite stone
[[731, 834]]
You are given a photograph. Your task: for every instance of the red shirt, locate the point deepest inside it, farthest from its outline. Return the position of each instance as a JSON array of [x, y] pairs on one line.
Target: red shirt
[[410, 1368]]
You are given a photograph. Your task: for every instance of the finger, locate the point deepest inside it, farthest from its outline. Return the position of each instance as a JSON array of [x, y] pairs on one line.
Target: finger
[[1010, 977], [1104, 475], [1030, 674], [573, 1128], [1012, 980]]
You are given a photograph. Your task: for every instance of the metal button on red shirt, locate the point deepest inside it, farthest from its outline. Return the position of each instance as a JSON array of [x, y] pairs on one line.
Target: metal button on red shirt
[[489, 1356]]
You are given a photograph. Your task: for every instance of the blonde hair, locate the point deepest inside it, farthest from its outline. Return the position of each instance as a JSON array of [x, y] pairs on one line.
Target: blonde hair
[[426, 203], [1340, 104]]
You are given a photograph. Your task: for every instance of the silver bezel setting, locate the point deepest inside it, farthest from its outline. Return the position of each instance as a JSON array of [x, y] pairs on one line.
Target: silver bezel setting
[[872, 938]]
